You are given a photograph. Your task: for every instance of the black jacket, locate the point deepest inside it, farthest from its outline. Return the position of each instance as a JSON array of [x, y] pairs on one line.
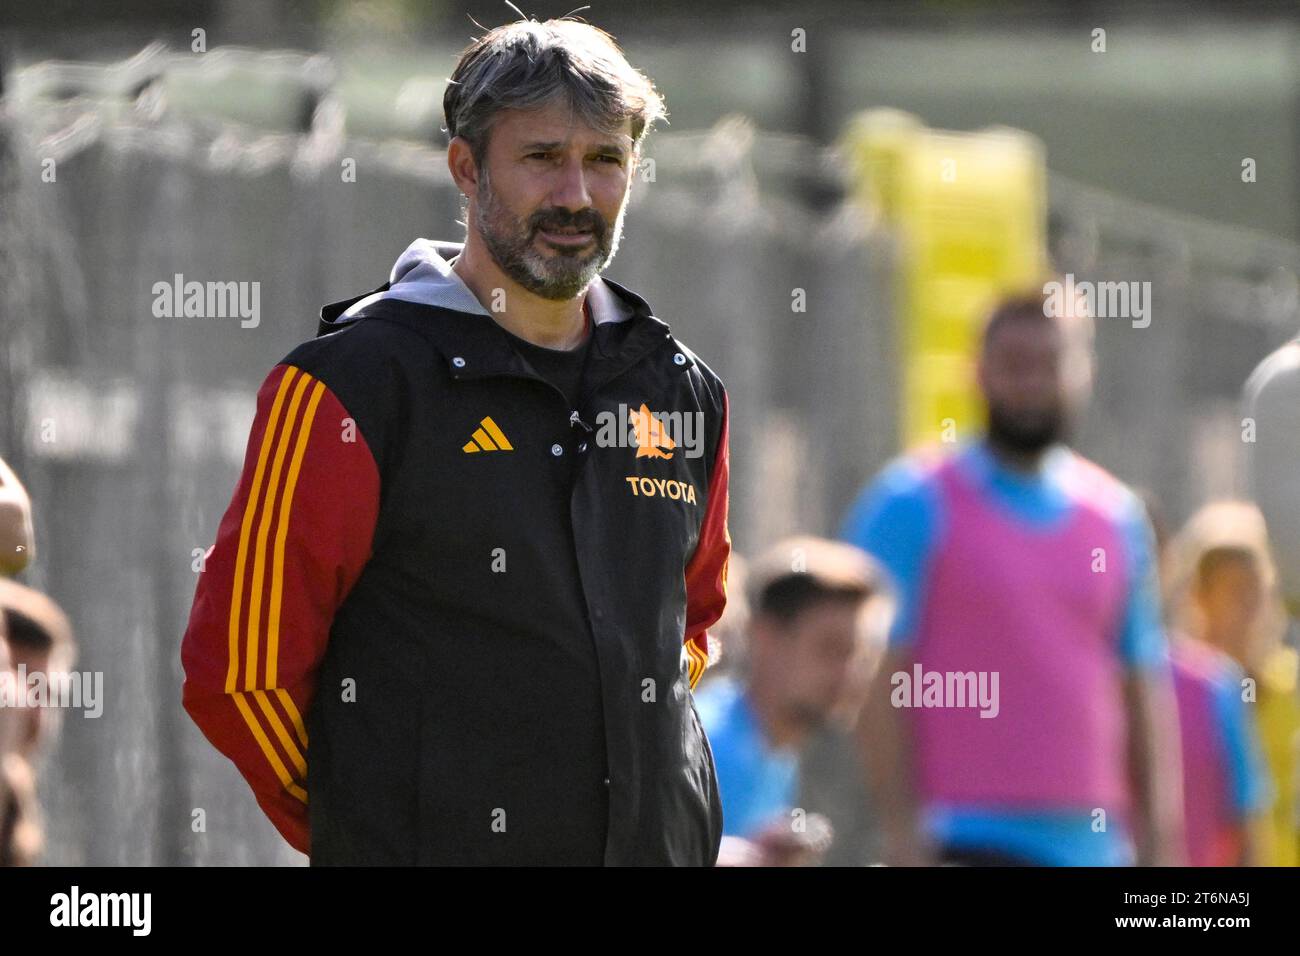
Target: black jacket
[[484, 609]]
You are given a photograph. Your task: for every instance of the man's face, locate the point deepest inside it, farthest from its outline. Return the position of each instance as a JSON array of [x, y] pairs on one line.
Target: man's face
[[1230, 598], [1034, 382], [551, 197], [818, 653]]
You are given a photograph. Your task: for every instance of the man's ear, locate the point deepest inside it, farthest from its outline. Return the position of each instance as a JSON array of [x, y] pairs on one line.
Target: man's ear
[[461, 165]]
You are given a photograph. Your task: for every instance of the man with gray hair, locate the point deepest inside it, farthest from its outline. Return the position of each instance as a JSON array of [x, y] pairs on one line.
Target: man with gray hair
[[486, 617]]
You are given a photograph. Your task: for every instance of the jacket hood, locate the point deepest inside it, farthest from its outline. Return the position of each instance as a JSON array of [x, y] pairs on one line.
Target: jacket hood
[[423, 274]]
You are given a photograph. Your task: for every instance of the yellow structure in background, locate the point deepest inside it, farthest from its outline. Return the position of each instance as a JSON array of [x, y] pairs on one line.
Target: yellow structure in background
[[969, 212]]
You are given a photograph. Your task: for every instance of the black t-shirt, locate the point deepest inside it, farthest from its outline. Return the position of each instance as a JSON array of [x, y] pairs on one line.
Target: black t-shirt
[[561, 367]]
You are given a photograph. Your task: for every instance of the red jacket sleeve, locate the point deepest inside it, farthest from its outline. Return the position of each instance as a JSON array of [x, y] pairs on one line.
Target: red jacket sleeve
[[706, 574], [291, 545]]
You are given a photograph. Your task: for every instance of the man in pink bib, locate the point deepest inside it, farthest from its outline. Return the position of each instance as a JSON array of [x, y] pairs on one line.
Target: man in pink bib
[[1024, 712]]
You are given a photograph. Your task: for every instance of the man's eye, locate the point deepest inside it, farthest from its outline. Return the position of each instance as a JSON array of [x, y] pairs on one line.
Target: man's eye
[[616, 160], [538, 156]]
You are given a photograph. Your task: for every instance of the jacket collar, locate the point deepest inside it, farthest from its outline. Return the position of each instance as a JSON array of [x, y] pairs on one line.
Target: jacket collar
[[474, 346]]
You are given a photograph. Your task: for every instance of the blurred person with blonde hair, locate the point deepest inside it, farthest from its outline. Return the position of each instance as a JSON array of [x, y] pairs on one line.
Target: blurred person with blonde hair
[[1222, 591]]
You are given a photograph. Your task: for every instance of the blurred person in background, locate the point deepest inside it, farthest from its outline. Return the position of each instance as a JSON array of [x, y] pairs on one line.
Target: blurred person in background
[[17, 539], [39, 641], [10, 730], [1018, 562], [1222, 594], [20, 833], [15, 552], [1226, 791], [814, 606]]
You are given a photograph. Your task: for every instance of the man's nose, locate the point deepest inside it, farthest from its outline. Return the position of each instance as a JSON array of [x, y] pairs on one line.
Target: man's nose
[[570, 190], [1039, 381]]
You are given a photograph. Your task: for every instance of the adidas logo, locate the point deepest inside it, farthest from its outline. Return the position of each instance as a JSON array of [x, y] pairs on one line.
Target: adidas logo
[[487, 437]]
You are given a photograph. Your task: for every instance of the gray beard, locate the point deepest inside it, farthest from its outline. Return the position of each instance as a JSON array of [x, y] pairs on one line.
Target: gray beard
[[566, 275]]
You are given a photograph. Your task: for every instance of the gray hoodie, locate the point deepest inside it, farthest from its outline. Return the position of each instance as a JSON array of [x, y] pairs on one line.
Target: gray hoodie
[[423, 274]]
